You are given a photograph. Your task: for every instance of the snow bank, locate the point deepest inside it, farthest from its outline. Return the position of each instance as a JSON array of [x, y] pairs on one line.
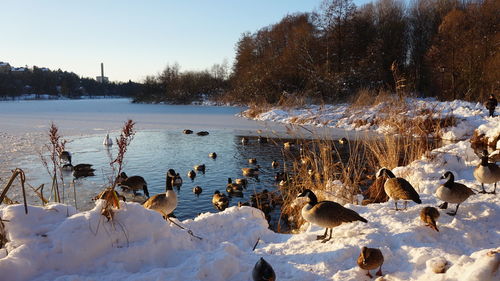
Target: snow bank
[[470, 116]]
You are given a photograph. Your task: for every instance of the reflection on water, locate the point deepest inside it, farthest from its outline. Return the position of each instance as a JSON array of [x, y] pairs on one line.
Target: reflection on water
[[152, 153]]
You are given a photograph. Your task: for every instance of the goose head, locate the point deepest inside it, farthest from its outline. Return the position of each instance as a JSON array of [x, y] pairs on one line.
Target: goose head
[[311, 197], [449, 177], [384, 171], [484, 158]]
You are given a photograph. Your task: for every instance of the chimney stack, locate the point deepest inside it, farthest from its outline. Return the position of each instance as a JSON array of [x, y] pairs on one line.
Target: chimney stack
[[102, 70]]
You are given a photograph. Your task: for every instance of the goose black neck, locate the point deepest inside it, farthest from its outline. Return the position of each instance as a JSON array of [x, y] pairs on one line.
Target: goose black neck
[[169, 182], [484, 160], [388, 173], [450, 180], [313, 200]]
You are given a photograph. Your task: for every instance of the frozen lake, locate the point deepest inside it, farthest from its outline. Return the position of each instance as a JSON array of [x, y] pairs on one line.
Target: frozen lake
[[158, 146]]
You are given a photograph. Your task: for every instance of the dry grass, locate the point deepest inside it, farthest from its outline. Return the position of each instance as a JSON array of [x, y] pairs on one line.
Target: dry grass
[[255, 109], [328, 171]]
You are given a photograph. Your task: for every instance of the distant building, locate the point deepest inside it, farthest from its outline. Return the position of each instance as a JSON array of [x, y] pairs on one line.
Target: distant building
[[18, 69], [102, 78], [4, 67]]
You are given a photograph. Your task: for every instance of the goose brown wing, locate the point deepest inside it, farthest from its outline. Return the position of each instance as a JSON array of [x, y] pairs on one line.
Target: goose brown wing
[[336, 212], [463, 190], [154, 202], [406, 191]]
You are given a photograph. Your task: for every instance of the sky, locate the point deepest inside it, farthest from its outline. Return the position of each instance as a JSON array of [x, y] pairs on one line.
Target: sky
[[133, 38]]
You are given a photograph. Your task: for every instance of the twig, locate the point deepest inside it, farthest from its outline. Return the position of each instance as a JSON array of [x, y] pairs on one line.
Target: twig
[[255, 246], [188, 230]]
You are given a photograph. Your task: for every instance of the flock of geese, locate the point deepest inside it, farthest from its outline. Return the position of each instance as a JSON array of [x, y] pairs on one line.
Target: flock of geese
[[327, 214]]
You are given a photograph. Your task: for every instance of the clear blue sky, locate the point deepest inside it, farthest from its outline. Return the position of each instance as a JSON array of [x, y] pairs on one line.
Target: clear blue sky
[[132, 38]]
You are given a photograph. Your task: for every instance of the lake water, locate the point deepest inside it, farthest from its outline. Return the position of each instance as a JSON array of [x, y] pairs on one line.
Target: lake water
[[159, 145]]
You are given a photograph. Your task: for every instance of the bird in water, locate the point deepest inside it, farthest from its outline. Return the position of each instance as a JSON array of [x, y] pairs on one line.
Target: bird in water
[[369, 259], [244, 140], [197, 190], [452, 192], [164, 203], [263, 271], [133, 183], [327, 214], [200, 168], [212, 155], [429, 215], [191, 174], [107, 140], [398, 188], [220, 201]]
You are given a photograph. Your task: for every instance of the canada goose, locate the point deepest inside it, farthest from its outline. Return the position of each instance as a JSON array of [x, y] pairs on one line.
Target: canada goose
[[251, 172], [233, 187], [200, 168], [252, 161], [261, 140], [83, 173], [107, 140], [191, 174], [197, 190], [280, 176], [398, 188], [187, 131], [65, 156], [452, 192], [177, 181], [212, 155], [275, 164], [220, 201], [429, 215], [202, 133], [371, 258], [133, 183], [487, 173], [343, 141], [244, 140], [263, 271], [164, 203], [326, 214], [80, 170], [287, 145], [241, 182]]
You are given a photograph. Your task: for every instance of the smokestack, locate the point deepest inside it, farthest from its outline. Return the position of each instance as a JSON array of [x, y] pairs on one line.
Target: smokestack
[[102, 70]]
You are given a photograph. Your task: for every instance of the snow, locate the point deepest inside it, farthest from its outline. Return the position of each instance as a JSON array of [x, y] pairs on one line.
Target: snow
[[470, 116], [57, 243]]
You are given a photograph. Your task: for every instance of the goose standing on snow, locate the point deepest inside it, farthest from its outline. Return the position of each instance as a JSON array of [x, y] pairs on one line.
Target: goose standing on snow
[[371, 258], [263, 271], [326, 214], [398, 188], [487, 173], [133, 183], [107, 140], [164, 203], [452, 192], [429, 215]]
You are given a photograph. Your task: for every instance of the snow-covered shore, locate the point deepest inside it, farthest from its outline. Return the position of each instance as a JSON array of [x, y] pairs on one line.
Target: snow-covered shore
[[56, 243], [469, 116]]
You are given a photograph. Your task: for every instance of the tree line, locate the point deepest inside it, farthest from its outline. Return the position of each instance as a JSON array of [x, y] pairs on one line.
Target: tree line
[[42, 81], [443, 48]]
